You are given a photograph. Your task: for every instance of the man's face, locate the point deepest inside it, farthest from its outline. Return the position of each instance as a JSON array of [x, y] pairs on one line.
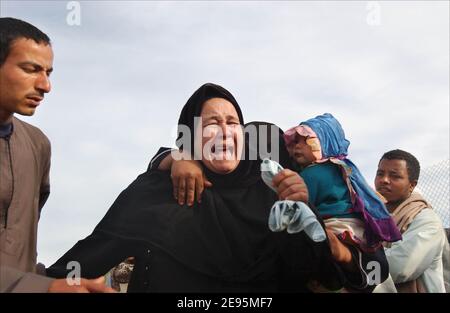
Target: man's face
[[24, 78], [392, 180]]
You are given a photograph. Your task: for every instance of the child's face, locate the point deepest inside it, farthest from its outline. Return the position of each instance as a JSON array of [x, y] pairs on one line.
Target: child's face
[[301, 152]]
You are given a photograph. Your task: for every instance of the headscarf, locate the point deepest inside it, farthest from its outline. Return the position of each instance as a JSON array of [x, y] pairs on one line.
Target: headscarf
[[226, 236], [333, 145], [274, 150]]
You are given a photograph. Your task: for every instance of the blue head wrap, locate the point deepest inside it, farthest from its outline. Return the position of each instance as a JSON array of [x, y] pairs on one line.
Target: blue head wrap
[[379, 224]]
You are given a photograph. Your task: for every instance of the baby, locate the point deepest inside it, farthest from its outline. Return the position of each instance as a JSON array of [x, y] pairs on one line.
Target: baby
[[348, 206]]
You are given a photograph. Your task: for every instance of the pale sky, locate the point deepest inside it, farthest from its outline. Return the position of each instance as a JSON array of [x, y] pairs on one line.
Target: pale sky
[[122, 76]]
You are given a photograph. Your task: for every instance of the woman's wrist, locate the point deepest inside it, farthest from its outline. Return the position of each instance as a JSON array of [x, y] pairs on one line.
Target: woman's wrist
[[347, 261]]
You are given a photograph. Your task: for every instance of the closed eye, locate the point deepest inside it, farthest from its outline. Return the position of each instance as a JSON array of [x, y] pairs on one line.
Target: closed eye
[[30, 67]]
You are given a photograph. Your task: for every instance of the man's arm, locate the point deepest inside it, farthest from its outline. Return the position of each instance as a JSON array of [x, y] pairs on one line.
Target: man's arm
[[421, 243], [94, 256], [12, 280]]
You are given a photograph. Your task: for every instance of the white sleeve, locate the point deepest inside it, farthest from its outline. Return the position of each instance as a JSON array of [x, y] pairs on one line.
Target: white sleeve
[[421, 244], [446, 265]]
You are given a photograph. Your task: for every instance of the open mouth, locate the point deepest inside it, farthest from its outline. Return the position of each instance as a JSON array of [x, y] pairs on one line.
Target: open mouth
[[226, 150]]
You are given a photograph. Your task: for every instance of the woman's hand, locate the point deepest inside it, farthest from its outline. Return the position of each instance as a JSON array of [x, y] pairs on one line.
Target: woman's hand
[[290, 186], [340, 252]]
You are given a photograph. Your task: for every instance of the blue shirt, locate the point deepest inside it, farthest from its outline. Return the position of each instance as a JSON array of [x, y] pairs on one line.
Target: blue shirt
[[328, 191]]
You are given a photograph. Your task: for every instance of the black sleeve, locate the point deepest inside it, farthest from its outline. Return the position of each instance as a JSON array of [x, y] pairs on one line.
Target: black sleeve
[[305, 261], [373, 269], [159, 156], [96, 255]]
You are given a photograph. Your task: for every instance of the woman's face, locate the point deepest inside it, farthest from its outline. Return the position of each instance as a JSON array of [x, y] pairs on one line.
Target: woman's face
[[222, 136]]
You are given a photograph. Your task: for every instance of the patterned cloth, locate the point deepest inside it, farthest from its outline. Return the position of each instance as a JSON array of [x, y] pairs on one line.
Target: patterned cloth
[[294, 216], [121, 274]]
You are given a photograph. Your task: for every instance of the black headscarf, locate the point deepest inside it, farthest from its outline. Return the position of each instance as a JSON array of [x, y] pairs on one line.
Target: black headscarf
[[254, 146], [225, 237], [194, 105]]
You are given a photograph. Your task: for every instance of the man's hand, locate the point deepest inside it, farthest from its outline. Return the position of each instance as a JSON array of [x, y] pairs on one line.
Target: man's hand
[[86, 286], [188, 181], [290, 186]]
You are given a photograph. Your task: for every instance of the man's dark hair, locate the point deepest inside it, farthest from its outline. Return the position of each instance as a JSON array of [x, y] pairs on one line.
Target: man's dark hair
[[412, 164], [12, 29]]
